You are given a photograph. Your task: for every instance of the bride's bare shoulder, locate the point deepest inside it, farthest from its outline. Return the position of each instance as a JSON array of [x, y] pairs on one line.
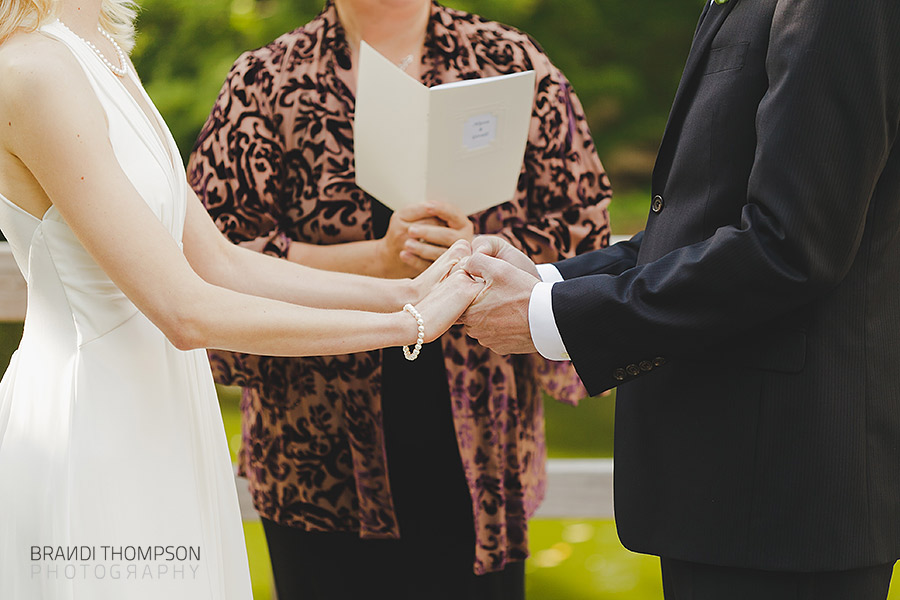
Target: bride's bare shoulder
[[32, 65]]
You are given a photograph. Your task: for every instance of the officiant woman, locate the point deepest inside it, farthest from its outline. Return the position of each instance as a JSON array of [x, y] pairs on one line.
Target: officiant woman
[[375, 476]]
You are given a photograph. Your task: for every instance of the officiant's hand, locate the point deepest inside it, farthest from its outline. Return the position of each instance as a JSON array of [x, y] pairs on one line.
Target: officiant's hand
[[498, 318], [391, 248], [430, 237]]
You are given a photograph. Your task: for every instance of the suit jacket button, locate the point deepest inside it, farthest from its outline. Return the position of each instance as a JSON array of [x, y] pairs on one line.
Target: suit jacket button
[[619, 374], [646, 365], [659, 361], [633, 370], [658, 204]]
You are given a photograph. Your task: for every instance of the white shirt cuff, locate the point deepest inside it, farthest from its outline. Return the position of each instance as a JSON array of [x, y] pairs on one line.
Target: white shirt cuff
[[544, 332], [549, 273]]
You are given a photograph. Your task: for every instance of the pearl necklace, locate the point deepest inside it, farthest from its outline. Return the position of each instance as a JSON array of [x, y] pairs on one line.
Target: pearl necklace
[[119, 71]]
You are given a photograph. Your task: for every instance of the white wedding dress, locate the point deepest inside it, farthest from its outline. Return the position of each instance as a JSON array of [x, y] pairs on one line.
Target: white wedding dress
[[115, 477]]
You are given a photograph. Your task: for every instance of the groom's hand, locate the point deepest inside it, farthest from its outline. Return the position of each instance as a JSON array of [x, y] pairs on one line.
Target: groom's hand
[[498, 247], [498, 318]]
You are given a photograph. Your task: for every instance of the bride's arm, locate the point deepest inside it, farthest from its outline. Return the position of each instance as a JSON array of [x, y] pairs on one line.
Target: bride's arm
[[56, 127], [220, 262]]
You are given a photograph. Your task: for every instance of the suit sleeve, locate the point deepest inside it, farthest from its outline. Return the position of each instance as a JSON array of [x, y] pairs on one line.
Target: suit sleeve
[[614, 260], [825, 129]]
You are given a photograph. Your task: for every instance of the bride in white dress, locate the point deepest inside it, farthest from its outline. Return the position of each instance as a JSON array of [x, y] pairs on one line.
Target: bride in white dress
[[115, 478]]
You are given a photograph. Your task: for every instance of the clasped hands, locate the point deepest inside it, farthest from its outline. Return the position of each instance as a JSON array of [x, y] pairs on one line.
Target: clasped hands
[[487, 283]]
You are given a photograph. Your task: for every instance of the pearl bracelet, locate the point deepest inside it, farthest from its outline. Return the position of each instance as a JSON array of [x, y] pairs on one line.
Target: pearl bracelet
[[420, 339]]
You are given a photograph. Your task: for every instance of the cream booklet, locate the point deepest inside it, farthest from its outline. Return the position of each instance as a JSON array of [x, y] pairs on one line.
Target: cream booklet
[[461, 143]]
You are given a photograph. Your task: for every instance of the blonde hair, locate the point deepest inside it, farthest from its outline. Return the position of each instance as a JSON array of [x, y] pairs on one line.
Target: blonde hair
[[116, 17]]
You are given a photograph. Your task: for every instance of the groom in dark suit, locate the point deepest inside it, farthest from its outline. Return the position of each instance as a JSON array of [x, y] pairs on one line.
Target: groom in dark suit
[[753, 328]]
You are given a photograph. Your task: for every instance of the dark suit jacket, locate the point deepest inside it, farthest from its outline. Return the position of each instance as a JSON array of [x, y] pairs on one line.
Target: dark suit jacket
[[754, 326]]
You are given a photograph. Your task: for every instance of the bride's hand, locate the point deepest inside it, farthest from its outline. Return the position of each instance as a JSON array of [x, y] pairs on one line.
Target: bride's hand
[[440, 269], [447, 301]]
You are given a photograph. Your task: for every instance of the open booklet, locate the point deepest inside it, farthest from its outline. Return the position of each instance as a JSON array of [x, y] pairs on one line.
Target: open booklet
[[461, 143]]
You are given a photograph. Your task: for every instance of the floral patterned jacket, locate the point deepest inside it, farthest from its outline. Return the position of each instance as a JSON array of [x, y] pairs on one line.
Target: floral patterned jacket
[[273, 164]]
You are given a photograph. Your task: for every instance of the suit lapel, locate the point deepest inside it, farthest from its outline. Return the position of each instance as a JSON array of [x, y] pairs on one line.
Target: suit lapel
[[710, 22], [706, 6]]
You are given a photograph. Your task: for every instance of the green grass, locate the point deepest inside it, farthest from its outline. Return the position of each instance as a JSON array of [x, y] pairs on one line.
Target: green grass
[[575, 560], [258, 555]]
